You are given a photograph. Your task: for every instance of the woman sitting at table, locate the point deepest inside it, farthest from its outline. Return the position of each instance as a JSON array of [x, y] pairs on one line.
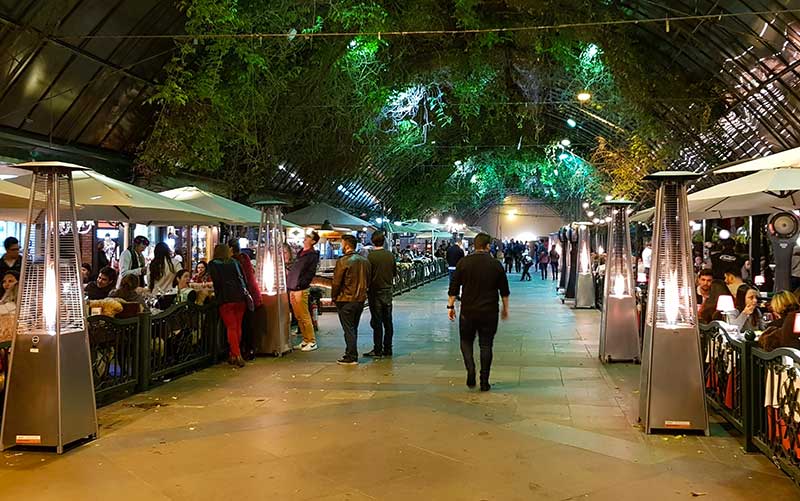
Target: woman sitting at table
[[8, 303], [163, 268], [708, 311], [749, 317], [184, 291], [201, 276], [128, 290], [780, 333]]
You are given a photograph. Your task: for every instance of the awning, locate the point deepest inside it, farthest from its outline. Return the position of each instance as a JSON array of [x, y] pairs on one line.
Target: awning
[[315, 215], [211, 202]]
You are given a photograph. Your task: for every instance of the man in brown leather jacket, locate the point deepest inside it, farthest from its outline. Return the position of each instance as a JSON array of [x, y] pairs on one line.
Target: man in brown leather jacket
[[349, 291]]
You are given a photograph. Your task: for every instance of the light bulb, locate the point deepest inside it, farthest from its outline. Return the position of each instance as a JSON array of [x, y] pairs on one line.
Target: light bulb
[[572, 123], [584, 96]]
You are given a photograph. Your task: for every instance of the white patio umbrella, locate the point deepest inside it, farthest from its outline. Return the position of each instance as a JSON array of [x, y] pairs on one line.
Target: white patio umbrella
[[787, 158], [219, 205], [762, 192], [101, 197], [314, 216]]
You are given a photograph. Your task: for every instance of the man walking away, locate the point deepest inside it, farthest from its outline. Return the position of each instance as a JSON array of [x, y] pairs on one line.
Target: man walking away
[[508, 255], [481, 281], [554, 257], [298, 281], [382, 272], [349, 291], [454, 255], [247, 346]]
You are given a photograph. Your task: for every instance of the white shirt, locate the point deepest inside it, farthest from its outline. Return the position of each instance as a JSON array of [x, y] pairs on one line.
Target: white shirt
[[647, 257], [164, 284], [125, 266]]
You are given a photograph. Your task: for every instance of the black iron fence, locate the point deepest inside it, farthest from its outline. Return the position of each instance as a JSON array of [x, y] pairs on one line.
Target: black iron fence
[[757, 392], [411, 277]]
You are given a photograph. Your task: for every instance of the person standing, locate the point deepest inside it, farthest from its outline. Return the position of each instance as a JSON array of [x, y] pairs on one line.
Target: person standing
[[508, 256], [647, 258], [454, 255], [554, 257], [248, 346], [544, 262], [382, 272], [132, 262], [527, 262], [482, 282], [11, 259], [349, 291], [229, 290], [298, 281]]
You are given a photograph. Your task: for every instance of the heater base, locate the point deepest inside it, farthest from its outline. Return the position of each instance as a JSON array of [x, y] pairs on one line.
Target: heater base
[[273, 338], [33, 407], [672, 393], [584, 294], [619, 331]]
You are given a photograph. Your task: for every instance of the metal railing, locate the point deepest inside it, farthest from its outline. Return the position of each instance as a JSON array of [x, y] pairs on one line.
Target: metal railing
[[757, 392], [409, 278]]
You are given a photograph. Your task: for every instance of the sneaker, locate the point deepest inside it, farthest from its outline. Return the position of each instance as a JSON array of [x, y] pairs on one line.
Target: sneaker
[[470, 380], [387, 353], [347, 361], [373, 353], [309, 347], [485, 386], [300, 346]]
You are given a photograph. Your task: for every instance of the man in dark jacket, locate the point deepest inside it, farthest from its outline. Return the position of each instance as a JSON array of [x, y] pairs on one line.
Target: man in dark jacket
[[298, 281], [482, 282], [102, 286], [351, 278], [382, 272], [454, 255], [250, 322]]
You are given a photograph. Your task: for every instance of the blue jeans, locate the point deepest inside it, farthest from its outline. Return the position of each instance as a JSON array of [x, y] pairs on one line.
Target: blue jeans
[[349, 317], [380, 309]]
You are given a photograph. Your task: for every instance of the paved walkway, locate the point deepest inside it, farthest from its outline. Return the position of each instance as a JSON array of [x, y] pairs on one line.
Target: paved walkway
[[556, 425]]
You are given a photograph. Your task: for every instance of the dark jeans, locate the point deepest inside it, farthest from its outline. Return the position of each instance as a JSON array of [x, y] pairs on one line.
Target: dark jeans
[[349, 316], [484, 326], [518, 265], [380, 309], [554, 269], [509, 266], [543, 268], [526, 272]]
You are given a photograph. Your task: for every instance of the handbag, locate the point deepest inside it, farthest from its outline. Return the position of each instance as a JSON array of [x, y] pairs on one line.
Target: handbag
[[247, 297]]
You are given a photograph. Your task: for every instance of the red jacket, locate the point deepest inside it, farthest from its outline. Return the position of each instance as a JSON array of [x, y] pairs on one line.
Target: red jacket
[[250, 278]]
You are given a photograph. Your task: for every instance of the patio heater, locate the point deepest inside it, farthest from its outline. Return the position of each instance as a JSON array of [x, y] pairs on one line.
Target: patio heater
[[619, 327], [783, 229], [49, 399], [584, 288], [572, 266], [564, 240], [271, 273], [672, 395]]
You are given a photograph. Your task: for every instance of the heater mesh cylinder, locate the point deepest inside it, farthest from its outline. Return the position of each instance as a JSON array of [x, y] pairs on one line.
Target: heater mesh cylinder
[[584, 251], [51, 299], [271, 267], [619, 272], [672, 281]]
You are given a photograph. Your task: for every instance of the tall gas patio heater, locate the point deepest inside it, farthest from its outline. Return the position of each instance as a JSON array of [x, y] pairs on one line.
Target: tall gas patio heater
[[584, 288], [49, 399], [672, 395], [564, 278], [271, 274], [619, 327], [572, 266]]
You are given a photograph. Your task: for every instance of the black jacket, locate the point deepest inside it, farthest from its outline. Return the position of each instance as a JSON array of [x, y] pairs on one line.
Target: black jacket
[[454, 255], [302, 271], [481, 280], [92, 291], [229, 285]]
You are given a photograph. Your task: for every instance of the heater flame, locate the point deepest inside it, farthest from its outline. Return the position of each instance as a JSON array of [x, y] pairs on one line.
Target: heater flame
[[619, 286], [268, 275], [671, 298], [585, 260], [50, 300]]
